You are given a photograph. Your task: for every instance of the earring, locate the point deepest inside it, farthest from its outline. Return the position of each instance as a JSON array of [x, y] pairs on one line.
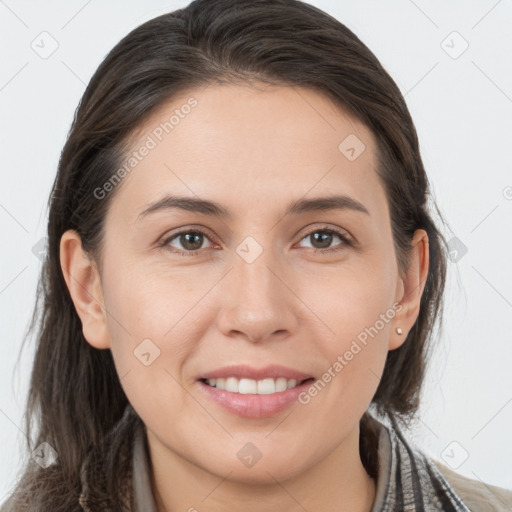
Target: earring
[[399, 331]]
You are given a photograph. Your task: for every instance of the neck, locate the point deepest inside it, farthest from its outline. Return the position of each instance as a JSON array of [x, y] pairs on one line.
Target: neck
[[337, 483]]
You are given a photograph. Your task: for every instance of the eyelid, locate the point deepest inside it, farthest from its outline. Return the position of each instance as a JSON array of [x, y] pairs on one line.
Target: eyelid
[[312, 228]]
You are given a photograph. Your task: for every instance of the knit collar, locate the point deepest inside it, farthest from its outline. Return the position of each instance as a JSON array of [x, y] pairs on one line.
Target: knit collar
[[117, 477], [408, 479]]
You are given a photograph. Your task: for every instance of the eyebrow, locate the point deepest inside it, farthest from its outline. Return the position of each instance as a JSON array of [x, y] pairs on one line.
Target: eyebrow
[[206, 207]]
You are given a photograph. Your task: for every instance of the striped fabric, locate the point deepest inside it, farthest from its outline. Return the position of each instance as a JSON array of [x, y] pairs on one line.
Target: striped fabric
[[408, 480]]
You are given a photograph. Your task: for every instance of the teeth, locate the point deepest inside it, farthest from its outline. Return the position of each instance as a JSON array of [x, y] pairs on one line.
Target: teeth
[[253, 387]]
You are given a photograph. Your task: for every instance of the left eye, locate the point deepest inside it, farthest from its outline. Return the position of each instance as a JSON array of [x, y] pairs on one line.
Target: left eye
[[324, 237]]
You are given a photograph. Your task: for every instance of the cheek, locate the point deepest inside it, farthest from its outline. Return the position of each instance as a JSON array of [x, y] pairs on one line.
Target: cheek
[[147, 301], [352, 298], [148, 342], [153, 323], [356, 307], [356, 357]]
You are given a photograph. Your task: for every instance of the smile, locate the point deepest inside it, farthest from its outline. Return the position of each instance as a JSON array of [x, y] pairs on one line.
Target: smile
[[254, 387]]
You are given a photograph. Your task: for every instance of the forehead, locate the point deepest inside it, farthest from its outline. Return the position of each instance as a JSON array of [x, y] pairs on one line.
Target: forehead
[[241, 145]]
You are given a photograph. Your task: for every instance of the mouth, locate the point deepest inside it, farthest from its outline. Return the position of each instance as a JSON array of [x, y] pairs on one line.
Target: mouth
[[252, 399], [268, 386]]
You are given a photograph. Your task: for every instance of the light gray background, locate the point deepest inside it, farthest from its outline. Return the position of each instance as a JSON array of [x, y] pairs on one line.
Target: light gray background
[[462, 107]]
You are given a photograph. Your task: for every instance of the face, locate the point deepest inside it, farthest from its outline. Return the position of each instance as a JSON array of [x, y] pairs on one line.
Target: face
[[268, 275]]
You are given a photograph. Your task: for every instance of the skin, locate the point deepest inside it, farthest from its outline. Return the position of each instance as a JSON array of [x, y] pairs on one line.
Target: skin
[[253, 151]]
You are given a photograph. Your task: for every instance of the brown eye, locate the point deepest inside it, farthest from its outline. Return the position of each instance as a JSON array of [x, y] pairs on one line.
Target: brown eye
[[189, 242], [321, 240]]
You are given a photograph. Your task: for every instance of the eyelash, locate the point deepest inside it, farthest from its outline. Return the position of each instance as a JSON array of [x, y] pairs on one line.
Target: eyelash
[[344, 241]]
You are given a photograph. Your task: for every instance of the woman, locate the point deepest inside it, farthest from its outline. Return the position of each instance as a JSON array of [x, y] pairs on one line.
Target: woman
[[242, 279]]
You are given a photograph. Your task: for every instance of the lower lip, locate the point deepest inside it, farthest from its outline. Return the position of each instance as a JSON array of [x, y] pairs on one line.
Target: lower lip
[[254, 406]]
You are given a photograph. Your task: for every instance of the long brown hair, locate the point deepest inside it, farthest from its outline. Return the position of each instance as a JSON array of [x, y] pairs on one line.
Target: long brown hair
[[75, 395]]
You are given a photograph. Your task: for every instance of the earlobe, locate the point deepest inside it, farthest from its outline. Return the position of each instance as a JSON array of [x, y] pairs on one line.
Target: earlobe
[[410, 289], [83, 282]]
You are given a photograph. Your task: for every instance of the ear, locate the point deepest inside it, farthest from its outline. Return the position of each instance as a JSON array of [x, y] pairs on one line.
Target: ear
[[410, 289], [83, 282]]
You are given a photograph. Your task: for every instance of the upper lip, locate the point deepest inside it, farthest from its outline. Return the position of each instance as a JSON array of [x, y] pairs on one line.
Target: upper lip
[[248, 372]]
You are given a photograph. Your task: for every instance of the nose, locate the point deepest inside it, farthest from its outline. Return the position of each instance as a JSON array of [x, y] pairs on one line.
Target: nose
[[258, 303]]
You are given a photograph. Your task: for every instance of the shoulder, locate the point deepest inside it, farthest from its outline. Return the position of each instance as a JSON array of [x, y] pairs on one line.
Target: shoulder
[[478, 496], [410, 475]]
